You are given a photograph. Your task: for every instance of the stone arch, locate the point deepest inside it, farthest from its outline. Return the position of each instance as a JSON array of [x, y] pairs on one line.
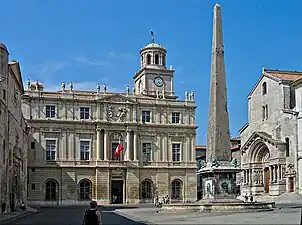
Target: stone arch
[[147, 189], [51, 189], [85, 189], [258, 150], [148, 59], [156, 58], [176, 189]]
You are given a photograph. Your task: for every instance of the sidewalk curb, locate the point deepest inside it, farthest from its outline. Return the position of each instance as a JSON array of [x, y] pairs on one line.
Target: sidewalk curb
[[136, 219], [18, 217]]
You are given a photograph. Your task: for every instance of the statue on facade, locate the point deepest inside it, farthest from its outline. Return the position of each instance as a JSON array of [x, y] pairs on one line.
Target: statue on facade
[[98, 88], [133, 90], [202, 164], [28, 84], [234, 163], [186, 96], [109, 112], [122, 113], [105, 88], [163, 92], [191, 96], [63, 86], [71, 86], [37, 85], [128, 90], [157, 93]]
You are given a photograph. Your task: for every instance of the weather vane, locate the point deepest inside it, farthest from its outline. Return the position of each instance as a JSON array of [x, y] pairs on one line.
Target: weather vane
[[152, 34]]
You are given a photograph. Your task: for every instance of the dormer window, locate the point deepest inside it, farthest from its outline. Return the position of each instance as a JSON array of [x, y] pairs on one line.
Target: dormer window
[[264, 88], [148, 59], [156, 59]]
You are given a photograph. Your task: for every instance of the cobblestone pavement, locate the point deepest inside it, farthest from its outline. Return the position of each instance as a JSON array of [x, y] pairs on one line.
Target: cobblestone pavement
[[278, 216], [70, 216]]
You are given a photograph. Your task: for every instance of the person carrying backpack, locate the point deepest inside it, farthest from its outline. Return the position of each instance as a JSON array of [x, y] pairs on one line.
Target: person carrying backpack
[[92, 215]]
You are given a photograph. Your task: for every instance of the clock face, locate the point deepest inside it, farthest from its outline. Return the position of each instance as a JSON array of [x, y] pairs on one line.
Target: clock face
[[158, 81]]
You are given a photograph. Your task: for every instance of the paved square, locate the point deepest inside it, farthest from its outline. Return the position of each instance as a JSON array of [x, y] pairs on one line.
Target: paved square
[[278, 216]]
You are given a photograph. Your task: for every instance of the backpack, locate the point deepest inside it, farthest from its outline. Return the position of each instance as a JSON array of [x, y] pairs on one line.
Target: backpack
[[90, 217]]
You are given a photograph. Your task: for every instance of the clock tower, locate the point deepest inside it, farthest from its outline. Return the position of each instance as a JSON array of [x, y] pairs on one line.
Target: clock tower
[[154, 79]]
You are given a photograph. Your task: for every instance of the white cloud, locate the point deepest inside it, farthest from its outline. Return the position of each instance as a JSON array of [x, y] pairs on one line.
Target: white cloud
[[91, 61], [47, 69], [83, 86], [120, 55]]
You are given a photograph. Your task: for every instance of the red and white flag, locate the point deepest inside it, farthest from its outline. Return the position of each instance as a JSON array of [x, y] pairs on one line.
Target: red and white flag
[[118, 150]]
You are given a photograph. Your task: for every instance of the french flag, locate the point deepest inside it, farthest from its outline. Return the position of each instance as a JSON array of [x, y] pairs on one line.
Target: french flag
[[118, 150]]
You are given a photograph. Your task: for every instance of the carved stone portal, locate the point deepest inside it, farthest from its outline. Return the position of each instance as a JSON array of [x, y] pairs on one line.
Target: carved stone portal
[[116, 114]]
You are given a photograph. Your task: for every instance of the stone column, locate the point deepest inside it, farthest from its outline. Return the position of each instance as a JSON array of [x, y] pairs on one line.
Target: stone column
[[193, 150], [106, 145], [98, 144], [262, 176], [165, 138], [134, 111], [251, 176], [271, 173], [189, 153], [127, 155], [279, 172], [135, 147]]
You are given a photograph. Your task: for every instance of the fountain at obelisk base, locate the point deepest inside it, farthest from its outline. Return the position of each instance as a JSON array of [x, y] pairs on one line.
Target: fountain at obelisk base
[[219, 172]]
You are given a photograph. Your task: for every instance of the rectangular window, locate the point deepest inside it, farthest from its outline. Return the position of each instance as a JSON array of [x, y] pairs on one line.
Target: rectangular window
[[84, 113], [264, 112], [50, 111], [175, 117], [32, 145], [176, 152], [146, 152], [146, 116], [287, 146], [51, 150], [33, 186], [33, 170], [85, 150]]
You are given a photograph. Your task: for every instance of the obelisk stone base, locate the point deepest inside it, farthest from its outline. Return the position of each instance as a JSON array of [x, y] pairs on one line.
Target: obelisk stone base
[[219, 183]]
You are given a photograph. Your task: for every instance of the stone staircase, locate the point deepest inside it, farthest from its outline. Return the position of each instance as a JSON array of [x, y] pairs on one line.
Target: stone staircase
[[287, 198]]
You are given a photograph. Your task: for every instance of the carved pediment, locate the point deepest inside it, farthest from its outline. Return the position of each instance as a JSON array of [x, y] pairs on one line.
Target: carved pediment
[[263, 136], [117, 98], [116, 136], [116, 112]]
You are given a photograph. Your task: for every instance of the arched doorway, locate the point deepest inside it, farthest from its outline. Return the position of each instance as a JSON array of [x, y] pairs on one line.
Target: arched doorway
[[263, 158], [147, 191], [176, 192], [85, 190], [51, 190]]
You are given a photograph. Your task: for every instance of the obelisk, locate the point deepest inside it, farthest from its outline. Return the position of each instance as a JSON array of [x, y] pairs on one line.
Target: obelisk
[[218, 172]]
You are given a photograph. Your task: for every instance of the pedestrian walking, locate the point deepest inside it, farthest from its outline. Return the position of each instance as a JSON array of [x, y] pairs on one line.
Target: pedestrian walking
[[92, 215]]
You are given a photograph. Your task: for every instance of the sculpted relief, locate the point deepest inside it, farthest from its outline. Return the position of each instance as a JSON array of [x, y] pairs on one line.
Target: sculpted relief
[[115, 113]]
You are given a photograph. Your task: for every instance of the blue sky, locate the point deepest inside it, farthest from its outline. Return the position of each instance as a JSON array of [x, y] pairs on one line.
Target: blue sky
[[99, 41]]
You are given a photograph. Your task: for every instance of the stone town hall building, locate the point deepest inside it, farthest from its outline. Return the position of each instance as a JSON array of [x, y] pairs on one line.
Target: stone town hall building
[[75, 133]]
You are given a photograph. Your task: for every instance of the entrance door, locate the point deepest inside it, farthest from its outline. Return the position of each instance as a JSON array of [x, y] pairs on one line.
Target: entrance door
[[266, 179], [117, 191], [291, 184]]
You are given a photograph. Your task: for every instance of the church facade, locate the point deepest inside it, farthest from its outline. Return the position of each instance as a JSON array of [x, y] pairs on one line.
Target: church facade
[[74, 135], [271, 140]]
